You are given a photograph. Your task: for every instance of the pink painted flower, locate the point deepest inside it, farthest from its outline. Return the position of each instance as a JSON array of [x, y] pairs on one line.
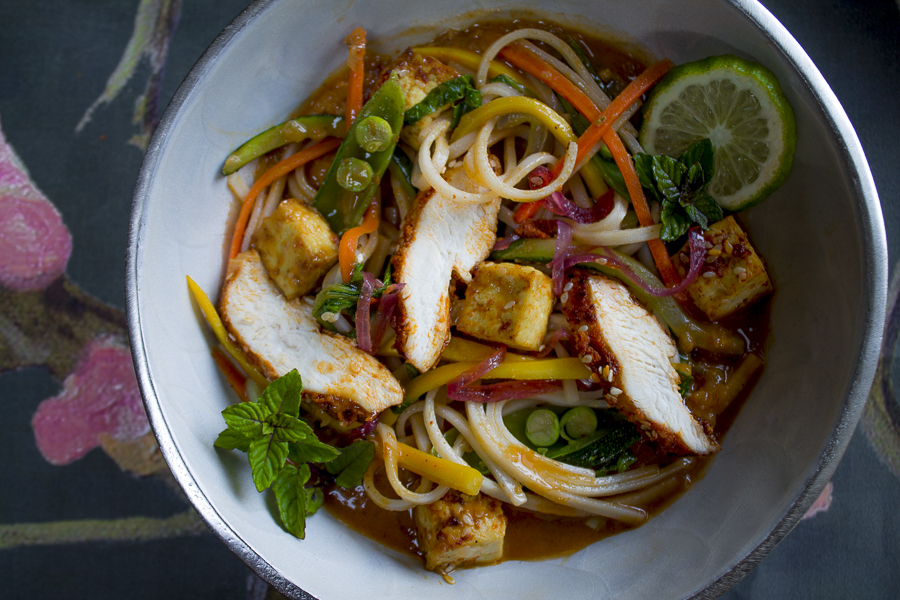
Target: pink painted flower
[[34, 243], [100, 397]]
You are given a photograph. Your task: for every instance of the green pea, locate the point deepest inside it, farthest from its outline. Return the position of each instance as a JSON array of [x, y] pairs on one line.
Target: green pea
[[542, 427], [354, 174], [374, 134], [578, 422]]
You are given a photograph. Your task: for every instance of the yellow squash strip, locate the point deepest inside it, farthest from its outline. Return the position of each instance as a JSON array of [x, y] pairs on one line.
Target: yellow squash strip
[[544, 368], [463, 350], [212, 317], [546, 116], [470, 60], [441, 471]]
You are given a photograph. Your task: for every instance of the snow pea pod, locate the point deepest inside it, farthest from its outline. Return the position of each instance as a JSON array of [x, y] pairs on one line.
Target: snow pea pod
[[313, 127], [343, 208]]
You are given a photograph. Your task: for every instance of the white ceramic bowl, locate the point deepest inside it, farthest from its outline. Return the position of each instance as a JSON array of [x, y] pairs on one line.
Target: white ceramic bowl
[[821, 234]]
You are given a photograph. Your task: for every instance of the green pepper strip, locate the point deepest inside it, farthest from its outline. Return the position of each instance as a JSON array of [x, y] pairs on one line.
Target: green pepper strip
[[342, 208], [543, 114], [470, 60], [691, 333], [314, 127], [549, 368]]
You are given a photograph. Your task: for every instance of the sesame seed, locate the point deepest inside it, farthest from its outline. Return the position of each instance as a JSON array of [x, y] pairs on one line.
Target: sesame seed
[[740, 270], [542, 348], [728, 247], [615, 391], [595, 378], [360, 257], [583, 328], [742, 276], [717, 247], [564, 298], [710, 259], [501, 271], [684, 258], [510, 304], [709, 246], [600, 261], [715, 252], [585, 359], [609, 377], [568, 286], [606, 370], [709, 275]]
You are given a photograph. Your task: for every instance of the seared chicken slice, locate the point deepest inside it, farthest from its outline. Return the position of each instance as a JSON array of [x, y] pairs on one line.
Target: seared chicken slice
[[440, 236], [630, 351], [460, 530], [279, 335]]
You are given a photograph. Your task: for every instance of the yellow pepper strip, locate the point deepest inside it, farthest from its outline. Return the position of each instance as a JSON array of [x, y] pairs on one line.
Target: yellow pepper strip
[[539, 111], [439, 470], [470, 60], [544, 368], [212, 317], [463, 350]]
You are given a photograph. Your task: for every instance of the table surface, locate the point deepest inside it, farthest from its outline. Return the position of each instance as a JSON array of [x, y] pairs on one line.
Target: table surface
[[112, 523]]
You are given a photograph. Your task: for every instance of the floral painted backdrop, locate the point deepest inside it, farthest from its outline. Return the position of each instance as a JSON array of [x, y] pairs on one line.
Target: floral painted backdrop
[[88, 508]]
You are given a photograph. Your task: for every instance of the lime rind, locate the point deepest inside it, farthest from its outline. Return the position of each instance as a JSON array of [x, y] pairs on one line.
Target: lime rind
[[740, 107]]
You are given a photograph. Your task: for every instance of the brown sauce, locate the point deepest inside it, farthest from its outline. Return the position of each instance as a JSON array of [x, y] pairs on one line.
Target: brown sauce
[[531, 536]]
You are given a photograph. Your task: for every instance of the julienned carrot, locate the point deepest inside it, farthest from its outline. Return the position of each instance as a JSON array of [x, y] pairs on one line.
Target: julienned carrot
[[356, 61], [347, 250], [234, 377], [600, 128], [633, 183], [282, 168]]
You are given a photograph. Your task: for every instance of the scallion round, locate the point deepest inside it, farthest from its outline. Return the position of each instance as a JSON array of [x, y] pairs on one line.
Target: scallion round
[[374, 134], [354, 174], [542, 427], [578, 422]]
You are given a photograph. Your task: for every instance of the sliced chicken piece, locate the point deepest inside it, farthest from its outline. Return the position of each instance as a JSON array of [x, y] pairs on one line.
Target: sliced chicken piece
[[440, 237], [630, 351], [279, 335]]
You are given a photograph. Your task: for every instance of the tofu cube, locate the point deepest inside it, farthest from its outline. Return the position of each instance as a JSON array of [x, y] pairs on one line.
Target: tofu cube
[[460, 530], [733, 277], [509, 304], [418, 75], [296, 246]]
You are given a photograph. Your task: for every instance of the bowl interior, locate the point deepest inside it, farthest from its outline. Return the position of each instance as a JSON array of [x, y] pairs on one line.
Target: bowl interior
[[819, 235]]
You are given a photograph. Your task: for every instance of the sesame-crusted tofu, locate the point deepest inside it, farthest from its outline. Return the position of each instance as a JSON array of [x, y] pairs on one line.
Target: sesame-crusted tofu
[[460, 530], [630, 354], [509, 304], [279, 335], [733, 277], [297, 247], [418, 75], [441, 237]]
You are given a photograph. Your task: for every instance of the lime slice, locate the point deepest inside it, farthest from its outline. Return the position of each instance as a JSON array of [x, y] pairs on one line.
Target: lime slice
[[740, 107]]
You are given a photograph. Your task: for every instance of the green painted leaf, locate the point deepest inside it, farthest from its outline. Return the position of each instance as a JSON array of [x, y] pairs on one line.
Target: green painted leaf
[[351, 465], [292, 498], [267, 457]]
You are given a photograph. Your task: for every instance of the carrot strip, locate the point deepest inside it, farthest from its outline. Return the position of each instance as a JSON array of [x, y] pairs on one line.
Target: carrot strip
[[600, 128], [234, 377], [356, 62], [285, 166], [641, 208], [347, 249]]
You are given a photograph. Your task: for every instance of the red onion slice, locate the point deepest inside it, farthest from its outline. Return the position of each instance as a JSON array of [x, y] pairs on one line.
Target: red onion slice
[[551, 342], [505, 390], [386, 306], [504, 243], [564, 234], [478, 371], [363, 338], [560, 205], [607, 257]]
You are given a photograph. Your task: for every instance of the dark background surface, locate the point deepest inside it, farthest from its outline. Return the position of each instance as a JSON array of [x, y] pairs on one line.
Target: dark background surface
[[55, 58]]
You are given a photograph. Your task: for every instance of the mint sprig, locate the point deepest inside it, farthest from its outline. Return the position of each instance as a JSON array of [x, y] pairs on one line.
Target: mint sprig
[[279, 446], [680, 185]]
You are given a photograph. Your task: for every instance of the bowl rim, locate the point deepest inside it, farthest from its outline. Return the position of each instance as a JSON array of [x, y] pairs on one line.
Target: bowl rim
[[875, 277]]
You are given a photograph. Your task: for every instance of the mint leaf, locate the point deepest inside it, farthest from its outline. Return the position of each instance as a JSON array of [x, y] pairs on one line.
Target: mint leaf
[[267, 457], [283, 394], [246, 418], [286, 428], [668, 173], [685, 386], [292, 499], [448, 92], [709, 206], [312, 450], [315, 498], [700, 153], [351, 465], [514, 85], [232, 440], [643, 164], [674, 222]]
